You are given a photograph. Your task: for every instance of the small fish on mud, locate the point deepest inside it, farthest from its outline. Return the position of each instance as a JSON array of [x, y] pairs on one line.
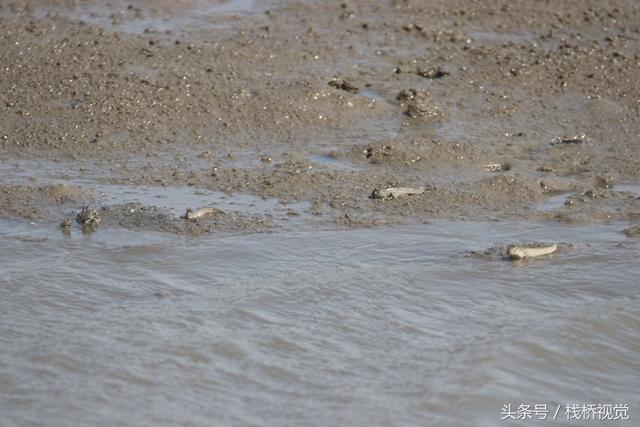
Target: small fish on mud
[[200, 212], [578, 138], [395, 192], [516, 252]]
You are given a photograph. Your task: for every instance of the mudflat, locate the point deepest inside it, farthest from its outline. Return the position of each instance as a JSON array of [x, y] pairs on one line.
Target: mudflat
[[494, 107]]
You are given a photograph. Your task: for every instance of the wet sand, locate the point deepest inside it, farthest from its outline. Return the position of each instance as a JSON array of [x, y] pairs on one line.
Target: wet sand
[[323, 103]]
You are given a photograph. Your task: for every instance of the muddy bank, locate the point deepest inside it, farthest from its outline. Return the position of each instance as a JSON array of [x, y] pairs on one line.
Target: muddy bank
[[39, 202], [475, 102], [138, 217]]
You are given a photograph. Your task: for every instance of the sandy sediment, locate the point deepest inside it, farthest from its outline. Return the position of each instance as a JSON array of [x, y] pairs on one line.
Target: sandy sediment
[[324, 101]]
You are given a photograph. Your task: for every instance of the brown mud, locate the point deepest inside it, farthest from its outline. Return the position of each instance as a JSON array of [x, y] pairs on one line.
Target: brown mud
[[322, 102]]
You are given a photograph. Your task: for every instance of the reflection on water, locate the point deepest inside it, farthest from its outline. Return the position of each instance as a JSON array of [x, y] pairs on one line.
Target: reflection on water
[[366, 327]]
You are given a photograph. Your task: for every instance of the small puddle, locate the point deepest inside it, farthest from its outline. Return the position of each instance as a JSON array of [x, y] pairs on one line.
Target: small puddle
[[501, 37], [331, 162], [177, 199], [373, 95], [553, 202]]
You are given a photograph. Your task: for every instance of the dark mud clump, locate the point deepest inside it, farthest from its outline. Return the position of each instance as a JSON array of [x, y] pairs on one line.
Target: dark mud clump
[[419, 104], [344, 85], [632, 231]]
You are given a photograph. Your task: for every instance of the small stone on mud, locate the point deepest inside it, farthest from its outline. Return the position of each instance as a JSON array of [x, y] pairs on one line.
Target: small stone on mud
[[596, 193], [406, 94], [497, 167], [419, 104], [422, 108]]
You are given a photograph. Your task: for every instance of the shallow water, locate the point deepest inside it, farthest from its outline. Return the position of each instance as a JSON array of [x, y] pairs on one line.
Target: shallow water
[[554, 202], [366, 327], [163, 17], [174, 200]]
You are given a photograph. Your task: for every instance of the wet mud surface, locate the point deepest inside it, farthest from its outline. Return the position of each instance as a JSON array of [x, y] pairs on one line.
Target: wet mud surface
[[498, 109]]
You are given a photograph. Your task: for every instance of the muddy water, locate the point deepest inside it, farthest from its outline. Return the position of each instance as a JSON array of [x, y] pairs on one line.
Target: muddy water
[[365, 327]]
